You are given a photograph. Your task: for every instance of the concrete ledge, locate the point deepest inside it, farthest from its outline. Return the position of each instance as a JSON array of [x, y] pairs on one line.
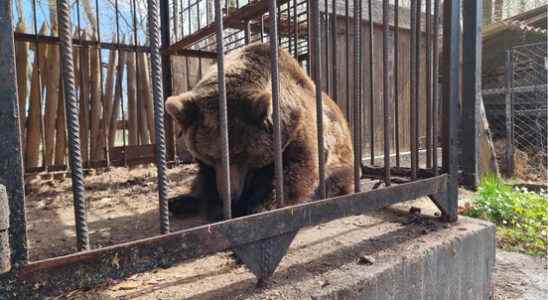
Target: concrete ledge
[[389, 254]]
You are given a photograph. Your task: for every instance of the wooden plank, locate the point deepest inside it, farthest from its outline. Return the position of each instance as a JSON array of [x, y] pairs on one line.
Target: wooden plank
[[96, 144], [133, 134], [118, 92], [108, 97], [21, 59], [84, 100], [147, 95], [34, 122], [52, 99]]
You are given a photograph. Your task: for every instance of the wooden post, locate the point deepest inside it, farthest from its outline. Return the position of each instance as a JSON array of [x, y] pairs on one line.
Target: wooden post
[[118, 91], [96, 151], [52, 99], [109, 92], [84, 100], [34, 120], [60, 137], [142, 99], [149, 105], [131, 101], [21, 59]]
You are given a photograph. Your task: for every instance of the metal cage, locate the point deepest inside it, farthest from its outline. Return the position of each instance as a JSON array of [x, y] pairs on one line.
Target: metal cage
[[309, 31]]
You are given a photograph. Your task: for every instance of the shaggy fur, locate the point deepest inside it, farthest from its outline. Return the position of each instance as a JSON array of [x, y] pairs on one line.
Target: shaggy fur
[[250, 129]]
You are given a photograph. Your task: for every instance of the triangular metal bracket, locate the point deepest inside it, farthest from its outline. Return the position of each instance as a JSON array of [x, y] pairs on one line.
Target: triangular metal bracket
[[263, 257], [441, 201]]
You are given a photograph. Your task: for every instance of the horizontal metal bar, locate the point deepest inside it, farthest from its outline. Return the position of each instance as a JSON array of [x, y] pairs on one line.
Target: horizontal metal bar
[[518, 89], [128, 258], [27, 37]]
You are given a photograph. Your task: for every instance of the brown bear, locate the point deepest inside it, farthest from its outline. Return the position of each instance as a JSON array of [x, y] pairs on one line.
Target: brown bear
[[250, 131]]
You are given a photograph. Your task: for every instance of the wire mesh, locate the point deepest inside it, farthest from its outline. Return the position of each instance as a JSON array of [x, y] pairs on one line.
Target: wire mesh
[[529, 92]]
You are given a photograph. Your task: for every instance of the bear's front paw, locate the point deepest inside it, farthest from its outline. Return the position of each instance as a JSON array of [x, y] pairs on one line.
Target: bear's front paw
[[184, 205]]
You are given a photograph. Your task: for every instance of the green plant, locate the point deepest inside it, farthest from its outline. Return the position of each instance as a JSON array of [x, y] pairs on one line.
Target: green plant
[[521, 216]]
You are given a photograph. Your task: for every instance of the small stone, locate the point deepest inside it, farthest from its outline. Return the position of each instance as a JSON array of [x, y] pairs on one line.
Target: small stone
[[366, 260], [324, 283]]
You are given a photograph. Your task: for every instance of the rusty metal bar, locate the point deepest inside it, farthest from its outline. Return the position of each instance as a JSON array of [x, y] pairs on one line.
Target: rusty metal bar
[[71, 104], [278, 164], [371, 84], [418, 33], [334, 52], [357, 94], [173, 247], [347, 62], [102, 127], [451, 95], [435, 87], [11, 168], [397, 80], [315, 41], [386, 74], [429, 83], [227, 201], [158, 96], [412, 87], [327, 56]]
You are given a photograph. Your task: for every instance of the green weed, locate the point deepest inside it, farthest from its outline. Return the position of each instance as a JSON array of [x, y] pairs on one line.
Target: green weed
[[521, 216]]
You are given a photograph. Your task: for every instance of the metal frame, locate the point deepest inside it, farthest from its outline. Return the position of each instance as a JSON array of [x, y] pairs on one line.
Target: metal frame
[[95, 265]]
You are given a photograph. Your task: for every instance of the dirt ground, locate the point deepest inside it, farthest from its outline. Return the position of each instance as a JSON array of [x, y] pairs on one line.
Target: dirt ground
[[122, 205]]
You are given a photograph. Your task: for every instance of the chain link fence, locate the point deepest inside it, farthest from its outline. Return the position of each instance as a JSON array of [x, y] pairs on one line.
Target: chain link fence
[[529, 110], [517, 113]]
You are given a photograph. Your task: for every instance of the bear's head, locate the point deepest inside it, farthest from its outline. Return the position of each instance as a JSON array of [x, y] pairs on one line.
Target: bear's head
[[250, 118]]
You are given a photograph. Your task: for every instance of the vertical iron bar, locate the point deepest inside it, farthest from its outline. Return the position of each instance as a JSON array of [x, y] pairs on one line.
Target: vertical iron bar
[[357, 94], [137, 69], [472, 21], [428, 45], [296, 29], [418, 32], [262, 29], [71, 104], [247, 32], [278, 164], [452, 38], [334, 50], [227, 201], [105, 137], [396, 80], [11, 168], [386, 63], [158, 97], [42, 126], [371, 84], [316, 54], [289, 39], [166, 73], [412, 86], [435, 87], [326, 14], [509, 105], [347, 63]]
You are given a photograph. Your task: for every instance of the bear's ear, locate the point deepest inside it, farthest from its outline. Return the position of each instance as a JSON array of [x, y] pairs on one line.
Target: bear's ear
[[183, 108], [258, 107]]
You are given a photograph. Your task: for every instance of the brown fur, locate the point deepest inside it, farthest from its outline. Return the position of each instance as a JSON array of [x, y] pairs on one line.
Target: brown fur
[[249, 101]]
